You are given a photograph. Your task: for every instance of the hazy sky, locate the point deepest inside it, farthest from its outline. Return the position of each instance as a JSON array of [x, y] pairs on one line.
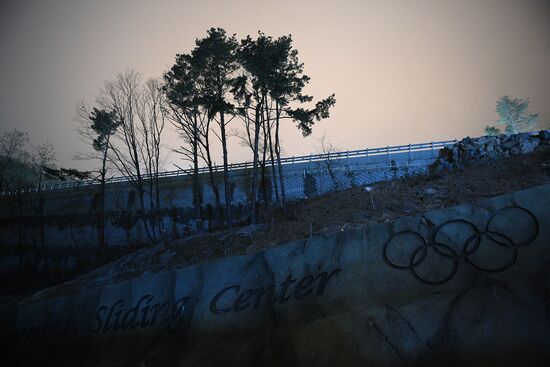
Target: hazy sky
[[403, 71]]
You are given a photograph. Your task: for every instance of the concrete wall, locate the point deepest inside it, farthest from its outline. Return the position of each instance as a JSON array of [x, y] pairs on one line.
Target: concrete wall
[[70, 216], [467, 285]]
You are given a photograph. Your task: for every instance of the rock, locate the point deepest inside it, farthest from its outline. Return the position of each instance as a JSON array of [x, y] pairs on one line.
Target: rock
[[529, 145], [251, 228], [430, 191], [470, 150], [544, 136], [446, 154], [482, 140], [509, 144], [522, 136]]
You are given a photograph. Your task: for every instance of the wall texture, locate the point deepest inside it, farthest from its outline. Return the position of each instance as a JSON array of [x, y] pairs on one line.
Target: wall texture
[[466, 285]]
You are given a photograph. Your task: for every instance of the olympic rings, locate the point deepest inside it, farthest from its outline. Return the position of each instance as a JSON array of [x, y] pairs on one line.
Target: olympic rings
[[502, 232]]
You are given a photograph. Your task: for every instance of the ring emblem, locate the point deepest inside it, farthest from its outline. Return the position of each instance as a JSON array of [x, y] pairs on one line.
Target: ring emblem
[[492, 249]]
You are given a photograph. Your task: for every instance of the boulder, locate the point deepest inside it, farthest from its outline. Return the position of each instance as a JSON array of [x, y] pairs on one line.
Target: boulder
[[544, 136], [529, 145], [482, 140], [470, 150], [430, 190], [509, 143]]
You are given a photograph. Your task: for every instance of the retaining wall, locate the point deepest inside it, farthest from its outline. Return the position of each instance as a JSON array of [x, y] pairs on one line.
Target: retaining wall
[[466, 285], [68, 217]]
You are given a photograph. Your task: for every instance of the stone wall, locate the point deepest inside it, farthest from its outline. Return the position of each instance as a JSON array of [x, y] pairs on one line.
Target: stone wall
[[467, 285], [471, 150]]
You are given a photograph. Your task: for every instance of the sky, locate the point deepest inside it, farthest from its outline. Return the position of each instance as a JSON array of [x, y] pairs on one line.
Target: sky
[[403, 71]]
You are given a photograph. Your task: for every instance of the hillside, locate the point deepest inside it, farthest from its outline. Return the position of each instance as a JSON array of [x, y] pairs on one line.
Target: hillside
[[333, 212]]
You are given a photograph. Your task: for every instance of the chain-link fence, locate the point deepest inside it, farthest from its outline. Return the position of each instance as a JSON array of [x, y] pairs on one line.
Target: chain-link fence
[[68, 213]]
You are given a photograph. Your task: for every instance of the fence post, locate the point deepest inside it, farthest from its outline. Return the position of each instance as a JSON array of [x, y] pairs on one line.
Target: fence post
[[388, 153], [433, 154], [409, 152]]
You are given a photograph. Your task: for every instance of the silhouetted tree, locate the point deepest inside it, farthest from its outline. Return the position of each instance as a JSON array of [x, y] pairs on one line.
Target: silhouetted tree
[[98, 128], [215, 57], [66, 174], [183, 91], [251, 90], [286, 89], [197, 86], [271, 80]]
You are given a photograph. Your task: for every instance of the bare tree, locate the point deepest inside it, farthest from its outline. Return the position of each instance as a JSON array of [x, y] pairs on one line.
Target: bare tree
[[21, 169], [14, 160], [134, 150], [151, 113], [43, 156], [326, 148], [15, 174]]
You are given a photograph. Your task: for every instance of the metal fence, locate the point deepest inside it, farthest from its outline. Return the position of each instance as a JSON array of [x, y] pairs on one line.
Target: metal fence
[[363, 153]]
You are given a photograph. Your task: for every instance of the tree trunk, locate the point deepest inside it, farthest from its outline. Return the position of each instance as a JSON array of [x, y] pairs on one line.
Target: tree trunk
[[157, 199], [20, 226], [213, 181], [196, 183], [278, 154], [272, 160], [141, 195], [226, 183], [101, 216], [41, 212], [263, 162], [255, 164]]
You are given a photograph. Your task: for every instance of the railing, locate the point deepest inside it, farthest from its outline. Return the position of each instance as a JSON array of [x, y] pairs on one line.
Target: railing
[[244, 165]]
